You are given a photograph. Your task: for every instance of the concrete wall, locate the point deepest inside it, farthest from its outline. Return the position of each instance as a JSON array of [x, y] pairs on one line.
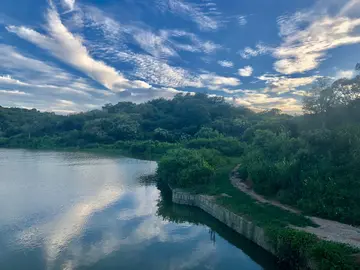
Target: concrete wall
[[239, 224], [232, 220]]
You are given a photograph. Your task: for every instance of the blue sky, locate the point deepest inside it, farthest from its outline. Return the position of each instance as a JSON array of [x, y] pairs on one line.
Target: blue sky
[[67, 56]]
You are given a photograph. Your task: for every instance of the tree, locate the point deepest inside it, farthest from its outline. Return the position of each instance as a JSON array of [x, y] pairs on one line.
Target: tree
[[325, 95], [184, 168], [208, 133], [164, 135], [318, 99], [123, 127]]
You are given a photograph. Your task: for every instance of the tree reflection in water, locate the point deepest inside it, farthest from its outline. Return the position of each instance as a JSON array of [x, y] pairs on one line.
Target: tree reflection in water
[[189, 214]]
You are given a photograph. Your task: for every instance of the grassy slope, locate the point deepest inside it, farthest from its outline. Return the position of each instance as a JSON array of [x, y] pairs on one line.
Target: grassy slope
[[241, 203], [294, 248]]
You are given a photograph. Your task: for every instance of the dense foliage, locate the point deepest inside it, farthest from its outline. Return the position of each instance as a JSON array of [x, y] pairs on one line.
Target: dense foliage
[[311, 161], [297, 250], [185, 168], [180, 119]]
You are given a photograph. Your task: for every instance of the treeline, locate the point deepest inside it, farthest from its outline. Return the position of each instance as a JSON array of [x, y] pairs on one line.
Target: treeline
[[171, 121], [309, 161]]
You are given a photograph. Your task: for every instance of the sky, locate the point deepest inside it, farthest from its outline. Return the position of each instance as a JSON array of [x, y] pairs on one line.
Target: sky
[[67, 56]]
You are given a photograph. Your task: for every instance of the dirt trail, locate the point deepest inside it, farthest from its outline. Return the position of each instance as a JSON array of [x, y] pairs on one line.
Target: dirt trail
[[327, 230]]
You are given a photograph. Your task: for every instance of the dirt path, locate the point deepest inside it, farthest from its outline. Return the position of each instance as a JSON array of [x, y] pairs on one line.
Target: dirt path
[[327, 230]]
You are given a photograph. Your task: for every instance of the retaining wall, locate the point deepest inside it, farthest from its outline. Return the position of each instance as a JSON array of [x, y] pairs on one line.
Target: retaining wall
[[239, 224]]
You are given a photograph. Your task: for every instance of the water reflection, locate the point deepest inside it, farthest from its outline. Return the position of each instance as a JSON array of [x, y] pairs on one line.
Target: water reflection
[[180, 214], [83, 211]]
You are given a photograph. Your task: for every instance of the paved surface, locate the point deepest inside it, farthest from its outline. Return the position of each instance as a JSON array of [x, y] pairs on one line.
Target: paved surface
[[327, 230]]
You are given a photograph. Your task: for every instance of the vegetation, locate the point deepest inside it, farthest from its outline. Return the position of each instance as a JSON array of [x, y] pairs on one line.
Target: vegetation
[[310, 161], [298, 249], [185, 168]]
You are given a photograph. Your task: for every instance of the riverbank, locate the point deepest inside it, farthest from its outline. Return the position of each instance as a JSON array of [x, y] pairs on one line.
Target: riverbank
[[270, 227], [239, 224], [325, 229], [103, 217], [277, 234], [146, 150]]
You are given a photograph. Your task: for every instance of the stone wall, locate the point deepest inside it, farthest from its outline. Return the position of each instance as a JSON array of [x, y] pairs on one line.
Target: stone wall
[[232, 220]]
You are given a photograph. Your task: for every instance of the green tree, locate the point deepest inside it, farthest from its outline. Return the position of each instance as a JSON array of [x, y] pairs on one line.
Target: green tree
[[185, 168], [208, 133]]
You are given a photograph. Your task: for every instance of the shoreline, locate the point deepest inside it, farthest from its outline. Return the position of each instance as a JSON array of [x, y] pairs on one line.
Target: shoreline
[[236, 222], [239, 224], [301, 250]]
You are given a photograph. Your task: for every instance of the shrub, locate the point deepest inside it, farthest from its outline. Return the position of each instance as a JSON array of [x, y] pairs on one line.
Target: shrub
[[226, 145], [184, 168]]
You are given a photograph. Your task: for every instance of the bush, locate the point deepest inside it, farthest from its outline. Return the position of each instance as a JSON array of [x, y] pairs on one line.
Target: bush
[[213, 157], [4, 141], [298, 249], [184, 168], [145, 147], [208, 133], [226, 145]]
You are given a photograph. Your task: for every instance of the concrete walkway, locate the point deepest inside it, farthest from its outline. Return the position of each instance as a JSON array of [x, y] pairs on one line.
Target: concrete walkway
[[327, 230]]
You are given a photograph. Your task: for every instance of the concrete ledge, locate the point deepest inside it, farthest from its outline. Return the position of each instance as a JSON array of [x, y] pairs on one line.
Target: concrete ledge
[[239, 224]]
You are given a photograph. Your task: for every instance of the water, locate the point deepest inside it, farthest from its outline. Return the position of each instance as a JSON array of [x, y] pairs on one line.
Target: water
[[70, 210]]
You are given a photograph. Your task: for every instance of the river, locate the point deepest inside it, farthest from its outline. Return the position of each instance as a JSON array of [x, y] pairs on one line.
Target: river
[[77, 210]]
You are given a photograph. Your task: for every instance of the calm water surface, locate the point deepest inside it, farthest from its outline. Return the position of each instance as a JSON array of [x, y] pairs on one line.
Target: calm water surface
[[69, 210]]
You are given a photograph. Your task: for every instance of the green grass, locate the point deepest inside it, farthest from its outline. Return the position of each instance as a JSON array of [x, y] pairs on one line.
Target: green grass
[[293, 248], [261, 214], [297, 249]]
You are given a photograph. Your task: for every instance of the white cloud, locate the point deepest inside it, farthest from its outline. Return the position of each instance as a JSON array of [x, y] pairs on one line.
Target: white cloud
[[232, 91], [304, 48], [65, 103], [262, 101], [153, 44], [345, 74], [209, 46], [289, 24], [246, 71], [43, 83], [216, 82], [7, 79], [242, 20], [191, 11], [69, 48], [30, 73], [14, 92], [70, 224], [12, 60], [160, 73], [165, 43], [114, 237], [225, 63], [97, 19], [283, 84], [301, 93], [260, 49], [161, 44], [51, 103], [69, 4], [194, 44], [351, 7]]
